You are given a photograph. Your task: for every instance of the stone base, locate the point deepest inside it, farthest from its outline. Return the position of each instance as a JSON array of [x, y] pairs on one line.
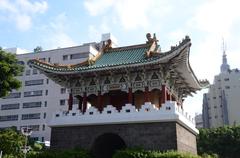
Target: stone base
[[155, 136]]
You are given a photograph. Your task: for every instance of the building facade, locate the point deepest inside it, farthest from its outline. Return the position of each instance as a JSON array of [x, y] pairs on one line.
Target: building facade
[[199, 121], [221, 103], [121, 92], [34, 104]]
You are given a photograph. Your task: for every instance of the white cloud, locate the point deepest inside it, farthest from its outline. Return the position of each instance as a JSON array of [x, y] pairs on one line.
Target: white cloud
[[130, 14], [21, 12], [95, 32], [96, 7], [23, 22], [60, 39], [56, 33], [217, 16]]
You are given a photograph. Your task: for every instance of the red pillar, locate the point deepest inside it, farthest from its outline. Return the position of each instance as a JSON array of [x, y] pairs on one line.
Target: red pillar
[[146, 95], [70, 101], [164, 94], [84, 102], [130, 96], [99, 101]]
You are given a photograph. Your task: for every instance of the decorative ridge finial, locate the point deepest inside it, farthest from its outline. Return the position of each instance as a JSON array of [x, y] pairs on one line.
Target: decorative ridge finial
[[150, 40]]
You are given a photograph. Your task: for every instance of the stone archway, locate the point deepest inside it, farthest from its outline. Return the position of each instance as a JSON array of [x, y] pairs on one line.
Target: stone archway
[[106, 144]]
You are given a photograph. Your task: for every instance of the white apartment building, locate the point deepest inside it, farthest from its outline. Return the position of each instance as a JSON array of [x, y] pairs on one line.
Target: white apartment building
[[221, 105], [34, 104]]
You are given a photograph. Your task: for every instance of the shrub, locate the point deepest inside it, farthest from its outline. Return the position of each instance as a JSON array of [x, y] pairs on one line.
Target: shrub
[[76, 153], [140, 153]]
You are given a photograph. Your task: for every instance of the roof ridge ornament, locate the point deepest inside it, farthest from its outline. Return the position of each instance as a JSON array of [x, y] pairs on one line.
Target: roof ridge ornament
[[204, 83], [153, 45], [107, 46]]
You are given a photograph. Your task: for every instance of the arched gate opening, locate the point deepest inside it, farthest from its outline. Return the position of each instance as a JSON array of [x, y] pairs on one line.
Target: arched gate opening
[[105, 145]]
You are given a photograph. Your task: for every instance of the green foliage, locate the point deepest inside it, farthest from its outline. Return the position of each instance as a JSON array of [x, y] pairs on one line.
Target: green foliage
[[9, 156], [9, 69], [224, 141], [140, 153], [76, 153], [11, 143], [37, 49]]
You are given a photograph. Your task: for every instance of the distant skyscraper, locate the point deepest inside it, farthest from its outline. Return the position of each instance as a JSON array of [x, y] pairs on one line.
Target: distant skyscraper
[[221, 103]]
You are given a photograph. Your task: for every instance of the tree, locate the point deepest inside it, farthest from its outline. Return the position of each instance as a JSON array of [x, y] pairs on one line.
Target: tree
[[9, 69], [224, 141], [11, 142], [37, 49]]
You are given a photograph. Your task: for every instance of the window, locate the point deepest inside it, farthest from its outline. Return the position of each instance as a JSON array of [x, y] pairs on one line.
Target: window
[[34, 82], [49, 59], [28, 72], [10, 106], [47, 81], [226, 79], [30, 116], [45, 103], [13, 95], [34, 139], [43, 127], [44, 115], [42, 139], [42, 59], [62, 102], [8, 118], [63, 90], [227, 87], [79, 55], [32, 105], [214, 97], [65, 57], [35, 71], [46, 92], [33, 127], [21, 62], [215, 107], [33, 93]]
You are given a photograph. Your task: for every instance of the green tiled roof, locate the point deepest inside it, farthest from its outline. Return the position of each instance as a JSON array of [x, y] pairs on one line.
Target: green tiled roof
[[116, 57], [113, 57]]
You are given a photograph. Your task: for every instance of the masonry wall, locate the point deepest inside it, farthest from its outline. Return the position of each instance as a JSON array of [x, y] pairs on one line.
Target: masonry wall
[[158, 136]]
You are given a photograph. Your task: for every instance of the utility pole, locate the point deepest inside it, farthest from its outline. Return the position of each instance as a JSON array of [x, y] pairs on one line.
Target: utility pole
[[27, 132]]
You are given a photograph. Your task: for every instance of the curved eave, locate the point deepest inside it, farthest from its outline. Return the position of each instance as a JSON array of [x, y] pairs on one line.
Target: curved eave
[[178, 57], [184, 68]]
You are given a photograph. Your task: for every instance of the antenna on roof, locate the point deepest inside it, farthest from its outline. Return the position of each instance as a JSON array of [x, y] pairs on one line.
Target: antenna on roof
[[224, 46]]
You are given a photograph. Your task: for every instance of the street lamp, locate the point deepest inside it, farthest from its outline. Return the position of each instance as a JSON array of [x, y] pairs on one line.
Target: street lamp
[[27, 132]]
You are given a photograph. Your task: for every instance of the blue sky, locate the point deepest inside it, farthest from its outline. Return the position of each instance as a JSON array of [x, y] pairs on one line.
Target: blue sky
[[62, 23]]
